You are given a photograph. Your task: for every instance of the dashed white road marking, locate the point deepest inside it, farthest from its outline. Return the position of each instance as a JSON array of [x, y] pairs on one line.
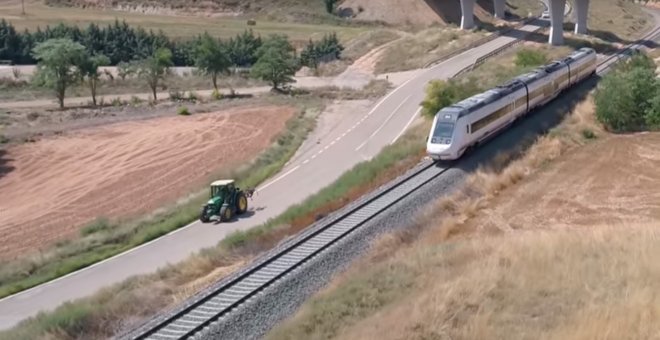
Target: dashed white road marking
[[383, 124], [278, 178], [305, 161], [407, 125]]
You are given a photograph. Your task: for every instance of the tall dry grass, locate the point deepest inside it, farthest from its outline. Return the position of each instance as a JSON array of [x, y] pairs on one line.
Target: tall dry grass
[[597, 283]]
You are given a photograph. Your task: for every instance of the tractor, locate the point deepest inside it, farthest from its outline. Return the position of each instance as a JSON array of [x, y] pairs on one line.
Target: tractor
[[226, 201]]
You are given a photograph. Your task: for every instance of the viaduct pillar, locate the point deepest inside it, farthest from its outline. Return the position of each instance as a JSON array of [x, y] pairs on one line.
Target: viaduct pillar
[[499, 8], [467, 14], [557, 21], [581, 11]]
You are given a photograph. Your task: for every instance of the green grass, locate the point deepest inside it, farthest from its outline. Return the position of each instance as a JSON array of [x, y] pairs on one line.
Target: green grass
[[176, 26], [102, 239]]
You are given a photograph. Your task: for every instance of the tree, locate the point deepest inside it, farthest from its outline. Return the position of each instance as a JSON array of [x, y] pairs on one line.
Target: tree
[[330, 5], [277, 62], [310, 56], [211, 58], [89, 69], [58, 59], [154, 68], [243, 49]]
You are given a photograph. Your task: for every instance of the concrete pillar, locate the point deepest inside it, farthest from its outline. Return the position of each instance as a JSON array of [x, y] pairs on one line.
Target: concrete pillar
[[557, 21], [467, 14], [499, 8], [581, 11]]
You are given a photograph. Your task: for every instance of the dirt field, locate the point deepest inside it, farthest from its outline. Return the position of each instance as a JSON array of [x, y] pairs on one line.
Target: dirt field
[[56, 185]]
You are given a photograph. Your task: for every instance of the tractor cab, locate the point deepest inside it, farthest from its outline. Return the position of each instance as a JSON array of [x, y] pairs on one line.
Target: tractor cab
[[221, 188], [225, 201]]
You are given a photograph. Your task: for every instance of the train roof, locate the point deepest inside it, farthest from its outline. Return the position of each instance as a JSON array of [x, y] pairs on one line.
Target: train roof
[[578, 55]]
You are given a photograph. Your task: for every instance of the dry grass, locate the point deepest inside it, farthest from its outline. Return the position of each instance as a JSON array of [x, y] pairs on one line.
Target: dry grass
[[617, 21], [417, 50], [598, 283]]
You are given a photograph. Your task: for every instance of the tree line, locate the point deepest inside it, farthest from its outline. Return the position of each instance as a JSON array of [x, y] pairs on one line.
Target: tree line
[[62, 62], [121, 43]]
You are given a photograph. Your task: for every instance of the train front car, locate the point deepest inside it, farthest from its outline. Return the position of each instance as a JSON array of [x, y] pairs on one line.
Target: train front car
[[443, 142]]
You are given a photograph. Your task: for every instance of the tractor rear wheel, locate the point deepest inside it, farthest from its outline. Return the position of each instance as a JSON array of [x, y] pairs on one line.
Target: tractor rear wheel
[[226, 214], [241, 203]]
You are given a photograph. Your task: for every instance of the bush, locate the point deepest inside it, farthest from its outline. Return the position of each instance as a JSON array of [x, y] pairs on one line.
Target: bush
[[528, 57], [183, 111], [627, 98], [440, 93], [216, 95], [177, 96]]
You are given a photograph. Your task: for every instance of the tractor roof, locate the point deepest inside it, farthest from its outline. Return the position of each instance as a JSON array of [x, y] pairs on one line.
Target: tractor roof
[[222, 182]]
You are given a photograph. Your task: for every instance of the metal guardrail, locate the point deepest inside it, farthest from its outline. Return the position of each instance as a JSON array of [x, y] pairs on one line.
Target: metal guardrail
[[493, 53]]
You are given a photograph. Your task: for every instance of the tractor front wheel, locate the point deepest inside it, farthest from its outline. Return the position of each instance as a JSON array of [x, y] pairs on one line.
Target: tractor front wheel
[[203, 217], [226, 214], [241, 203]]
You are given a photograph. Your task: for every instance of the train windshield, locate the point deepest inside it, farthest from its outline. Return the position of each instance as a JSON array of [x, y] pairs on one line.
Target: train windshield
[[443, 133]]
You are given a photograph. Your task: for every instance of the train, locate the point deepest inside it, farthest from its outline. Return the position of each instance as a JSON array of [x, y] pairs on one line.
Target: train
[[463, 125]]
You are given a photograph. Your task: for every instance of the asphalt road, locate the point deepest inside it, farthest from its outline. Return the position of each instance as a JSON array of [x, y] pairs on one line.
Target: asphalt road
[[359, 138]]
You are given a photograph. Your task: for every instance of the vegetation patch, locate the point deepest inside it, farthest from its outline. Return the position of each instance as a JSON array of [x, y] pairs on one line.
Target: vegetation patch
[[628, 98]]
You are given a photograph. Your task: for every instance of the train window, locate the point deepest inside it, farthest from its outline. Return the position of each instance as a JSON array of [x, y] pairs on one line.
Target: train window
[[443, 130]]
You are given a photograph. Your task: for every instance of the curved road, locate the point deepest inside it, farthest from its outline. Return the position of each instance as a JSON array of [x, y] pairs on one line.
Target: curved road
[[356, 139]]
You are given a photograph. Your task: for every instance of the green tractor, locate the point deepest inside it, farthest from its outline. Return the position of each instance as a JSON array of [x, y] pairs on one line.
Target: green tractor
[[226, 201]]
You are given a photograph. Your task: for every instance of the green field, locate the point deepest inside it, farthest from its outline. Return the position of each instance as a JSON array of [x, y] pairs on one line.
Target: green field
[[176, 26]]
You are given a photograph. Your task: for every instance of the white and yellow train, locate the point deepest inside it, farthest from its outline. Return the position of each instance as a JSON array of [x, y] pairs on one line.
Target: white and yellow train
[[471, 121]]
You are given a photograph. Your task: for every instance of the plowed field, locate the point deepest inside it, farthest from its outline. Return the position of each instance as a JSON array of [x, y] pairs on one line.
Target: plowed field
[[51, 188]]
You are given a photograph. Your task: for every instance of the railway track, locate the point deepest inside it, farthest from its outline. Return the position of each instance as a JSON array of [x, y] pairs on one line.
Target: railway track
[[192, 319], [202, 311]]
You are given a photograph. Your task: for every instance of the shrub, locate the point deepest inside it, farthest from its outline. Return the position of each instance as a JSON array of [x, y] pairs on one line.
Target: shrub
[[216, 95], [528, 57], [3, 139], [100, 224], [588, 134], [626, 99], [192, 96], [135, 100], [176, 96], [183, 111]]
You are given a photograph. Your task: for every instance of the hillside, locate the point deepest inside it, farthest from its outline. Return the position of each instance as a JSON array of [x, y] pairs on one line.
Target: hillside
[[560, 245], [396, 12]]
